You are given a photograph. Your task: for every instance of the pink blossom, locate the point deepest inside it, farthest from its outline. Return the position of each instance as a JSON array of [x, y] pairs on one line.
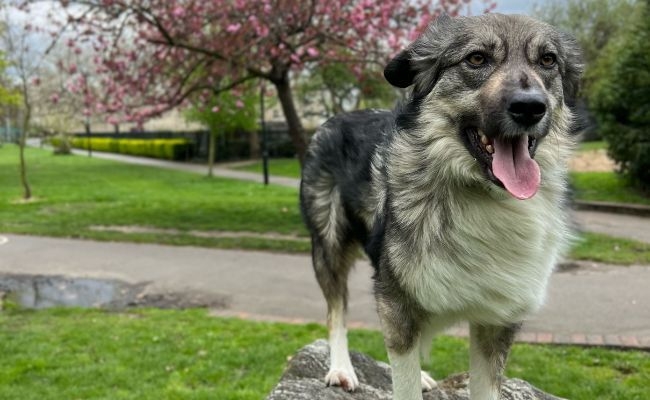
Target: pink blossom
[[146, 60], [178, 11], [232, 28], [262, 31]]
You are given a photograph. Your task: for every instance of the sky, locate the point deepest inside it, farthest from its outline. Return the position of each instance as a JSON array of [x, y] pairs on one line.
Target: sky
[[512, 6]]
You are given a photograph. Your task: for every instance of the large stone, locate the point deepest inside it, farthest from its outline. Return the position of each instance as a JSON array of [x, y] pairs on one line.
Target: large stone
[[303, 380]]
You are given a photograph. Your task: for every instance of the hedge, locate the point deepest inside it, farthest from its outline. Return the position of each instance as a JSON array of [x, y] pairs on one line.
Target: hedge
[[167, 149]]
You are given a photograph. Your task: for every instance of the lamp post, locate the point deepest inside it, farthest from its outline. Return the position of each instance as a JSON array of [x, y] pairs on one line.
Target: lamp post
[[265, 148], [88, 137]]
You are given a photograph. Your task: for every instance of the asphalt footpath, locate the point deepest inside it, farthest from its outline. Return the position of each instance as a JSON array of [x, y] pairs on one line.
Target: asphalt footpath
[[587, 303]]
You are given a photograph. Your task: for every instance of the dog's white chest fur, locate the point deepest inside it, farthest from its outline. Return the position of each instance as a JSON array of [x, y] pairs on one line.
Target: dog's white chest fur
[[493, 263]]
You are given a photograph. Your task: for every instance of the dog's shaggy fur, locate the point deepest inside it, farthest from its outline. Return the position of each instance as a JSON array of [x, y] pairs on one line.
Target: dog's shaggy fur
[[457, 196]]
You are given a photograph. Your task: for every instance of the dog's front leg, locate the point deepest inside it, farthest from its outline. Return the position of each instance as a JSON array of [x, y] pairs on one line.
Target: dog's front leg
[[402, 339], [489, 348], [407, 383]]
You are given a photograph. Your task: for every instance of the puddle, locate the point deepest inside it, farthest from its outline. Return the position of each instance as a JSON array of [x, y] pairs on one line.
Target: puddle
[[39, 291]]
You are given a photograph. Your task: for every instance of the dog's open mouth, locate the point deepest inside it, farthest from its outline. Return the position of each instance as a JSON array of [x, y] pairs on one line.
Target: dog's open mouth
[[508, 161]]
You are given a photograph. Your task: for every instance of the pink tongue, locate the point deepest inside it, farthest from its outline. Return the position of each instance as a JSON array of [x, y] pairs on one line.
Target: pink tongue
[[512, 165]]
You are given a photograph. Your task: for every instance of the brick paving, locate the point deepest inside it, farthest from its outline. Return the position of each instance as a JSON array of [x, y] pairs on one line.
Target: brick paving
[[576, 339]]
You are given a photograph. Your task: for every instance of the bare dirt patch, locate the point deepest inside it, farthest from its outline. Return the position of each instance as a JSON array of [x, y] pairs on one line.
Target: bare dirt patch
[[133, 229], [592, 161]]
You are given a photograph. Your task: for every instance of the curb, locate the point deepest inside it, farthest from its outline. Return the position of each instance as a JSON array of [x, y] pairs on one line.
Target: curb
[[638, 210], [619, 342]]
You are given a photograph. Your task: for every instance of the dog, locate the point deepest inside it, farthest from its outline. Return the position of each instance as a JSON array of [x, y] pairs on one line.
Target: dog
[[458, 196]]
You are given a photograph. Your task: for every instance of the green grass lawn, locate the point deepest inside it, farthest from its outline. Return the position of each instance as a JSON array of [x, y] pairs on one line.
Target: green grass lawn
[[165, 354], [288, 167], [607, 249], [605, 186], [74, 193], [589, 146]]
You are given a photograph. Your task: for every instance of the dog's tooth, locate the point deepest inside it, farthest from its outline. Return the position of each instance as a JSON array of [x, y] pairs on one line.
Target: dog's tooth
[[484, 139], [489, 148]]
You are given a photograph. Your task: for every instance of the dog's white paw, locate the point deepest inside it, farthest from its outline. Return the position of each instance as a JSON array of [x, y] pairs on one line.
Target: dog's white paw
[[428, 383], [345, 378]]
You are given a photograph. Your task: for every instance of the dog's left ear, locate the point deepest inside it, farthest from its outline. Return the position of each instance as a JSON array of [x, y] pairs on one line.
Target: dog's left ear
[[399, 71], [420, 56], [572, 68]]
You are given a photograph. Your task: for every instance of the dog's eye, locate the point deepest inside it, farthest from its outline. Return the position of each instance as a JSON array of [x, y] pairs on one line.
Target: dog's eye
[[547, 60], [476, 59]]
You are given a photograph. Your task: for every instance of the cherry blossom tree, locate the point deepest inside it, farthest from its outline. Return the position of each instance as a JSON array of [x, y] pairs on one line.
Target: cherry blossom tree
[[154, 55]]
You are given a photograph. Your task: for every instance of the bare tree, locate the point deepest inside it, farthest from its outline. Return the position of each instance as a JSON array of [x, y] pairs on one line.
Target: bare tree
[[25, 45], [23, 68]]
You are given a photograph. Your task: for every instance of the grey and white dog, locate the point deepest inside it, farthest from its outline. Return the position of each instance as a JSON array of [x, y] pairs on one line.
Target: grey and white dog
[[457, 196]]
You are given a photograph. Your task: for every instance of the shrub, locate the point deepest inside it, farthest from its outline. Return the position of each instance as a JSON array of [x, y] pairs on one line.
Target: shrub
[[620, 97], [167, 149], [61, 144]]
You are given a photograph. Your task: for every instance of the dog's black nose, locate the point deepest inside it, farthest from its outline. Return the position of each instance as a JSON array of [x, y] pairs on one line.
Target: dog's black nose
[[527, 108]]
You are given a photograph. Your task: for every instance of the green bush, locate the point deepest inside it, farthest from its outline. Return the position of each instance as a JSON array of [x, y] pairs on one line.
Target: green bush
[[620, 97], [167, 149], [61, 144]]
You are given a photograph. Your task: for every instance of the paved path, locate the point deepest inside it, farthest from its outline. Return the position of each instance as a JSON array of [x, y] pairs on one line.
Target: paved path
[[618, 225], [219, 169], [592, 304]]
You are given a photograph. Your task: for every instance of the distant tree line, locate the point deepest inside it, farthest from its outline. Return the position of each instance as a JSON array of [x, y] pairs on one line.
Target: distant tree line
[[615, 37]]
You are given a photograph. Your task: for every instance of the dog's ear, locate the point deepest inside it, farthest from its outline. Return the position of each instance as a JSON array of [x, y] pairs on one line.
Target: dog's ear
[[399, 72], [571, 68], [419, 56]]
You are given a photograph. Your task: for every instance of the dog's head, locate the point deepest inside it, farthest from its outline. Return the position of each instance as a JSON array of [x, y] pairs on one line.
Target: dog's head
[[503, 81]]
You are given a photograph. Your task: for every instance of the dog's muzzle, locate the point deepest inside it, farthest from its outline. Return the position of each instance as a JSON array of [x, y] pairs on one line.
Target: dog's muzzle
[[505, 143], [527, 108]]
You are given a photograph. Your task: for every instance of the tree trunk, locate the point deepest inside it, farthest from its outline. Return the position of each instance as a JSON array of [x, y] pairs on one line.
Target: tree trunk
[[296, 131], [27, 191], [90, 142], [254, 144]]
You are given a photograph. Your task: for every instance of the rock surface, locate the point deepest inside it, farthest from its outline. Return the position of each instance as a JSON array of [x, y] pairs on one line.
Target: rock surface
[[303, 380]]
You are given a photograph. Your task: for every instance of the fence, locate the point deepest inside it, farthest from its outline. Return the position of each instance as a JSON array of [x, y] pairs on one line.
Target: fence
[[9, 134]]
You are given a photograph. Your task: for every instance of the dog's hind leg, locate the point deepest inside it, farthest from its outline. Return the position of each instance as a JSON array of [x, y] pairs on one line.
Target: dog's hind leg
[[332, 264], [489, 348]]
